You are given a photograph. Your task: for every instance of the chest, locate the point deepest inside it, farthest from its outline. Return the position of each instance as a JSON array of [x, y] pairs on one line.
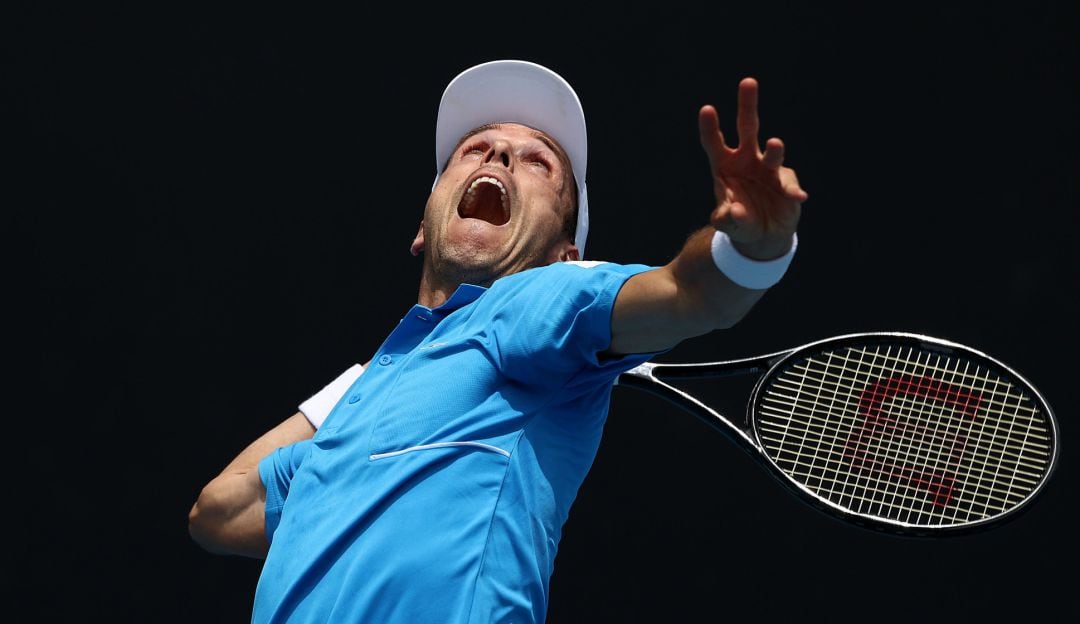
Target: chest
[[434, 383]]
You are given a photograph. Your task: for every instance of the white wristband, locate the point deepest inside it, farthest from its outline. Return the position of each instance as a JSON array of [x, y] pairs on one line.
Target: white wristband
[[319, 406], [746, 272]]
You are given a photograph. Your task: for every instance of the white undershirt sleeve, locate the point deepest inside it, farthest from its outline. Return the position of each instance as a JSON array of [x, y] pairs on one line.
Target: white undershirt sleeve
[[318, 407]]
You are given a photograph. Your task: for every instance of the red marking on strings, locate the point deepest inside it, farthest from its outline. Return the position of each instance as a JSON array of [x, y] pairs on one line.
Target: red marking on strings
[[938, 483]]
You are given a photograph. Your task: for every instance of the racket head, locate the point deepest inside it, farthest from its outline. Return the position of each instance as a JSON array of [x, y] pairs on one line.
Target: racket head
[[904, 433]]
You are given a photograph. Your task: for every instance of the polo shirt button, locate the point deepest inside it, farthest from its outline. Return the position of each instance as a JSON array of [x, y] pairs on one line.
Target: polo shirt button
[[354, 398], [385, 359]]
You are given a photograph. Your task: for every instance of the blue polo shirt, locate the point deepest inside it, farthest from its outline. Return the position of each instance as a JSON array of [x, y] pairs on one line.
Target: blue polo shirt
[[437, 488]]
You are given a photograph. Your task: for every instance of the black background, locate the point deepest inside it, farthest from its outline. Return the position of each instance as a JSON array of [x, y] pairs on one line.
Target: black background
[[209, 214]]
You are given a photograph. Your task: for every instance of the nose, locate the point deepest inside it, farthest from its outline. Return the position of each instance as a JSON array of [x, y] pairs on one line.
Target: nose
[[499, 153]]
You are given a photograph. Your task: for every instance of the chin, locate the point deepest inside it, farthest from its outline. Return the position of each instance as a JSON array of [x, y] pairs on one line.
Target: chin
[[469, 263]]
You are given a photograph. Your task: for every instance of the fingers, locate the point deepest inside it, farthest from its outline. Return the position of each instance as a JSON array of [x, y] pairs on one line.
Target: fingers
[[747, 120], [747, 161], [773, 160], [712, 139], [774, 154]]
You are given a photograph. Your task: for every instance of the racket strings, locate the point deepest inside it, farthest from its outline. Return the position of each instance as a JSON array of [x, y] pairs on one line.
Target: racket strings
[[810, 422], [904, 452], [1002, 408], [920, 430], [932, 476], [831, 474], [944, 478], [903, 434], [784, 396]]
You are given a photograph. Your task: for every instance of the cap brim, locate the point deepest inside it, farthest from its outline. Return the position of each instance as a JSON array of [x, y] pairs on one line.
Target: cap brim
[[516, 92]]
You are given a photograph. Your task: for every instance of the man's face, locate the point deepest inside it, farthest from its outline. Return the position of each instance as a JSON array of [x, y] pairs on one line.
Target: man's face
[[499, 207]]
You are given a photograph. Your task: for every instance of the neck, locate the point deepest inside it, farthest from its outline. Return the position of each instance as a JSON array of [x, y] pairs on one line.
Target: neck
[[436, 286], [434, 292]]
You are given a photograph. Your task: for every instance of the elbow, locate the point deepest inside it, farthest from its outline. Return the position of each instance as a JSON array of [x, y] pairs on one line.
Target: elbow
[[228, 517], [205, 521]]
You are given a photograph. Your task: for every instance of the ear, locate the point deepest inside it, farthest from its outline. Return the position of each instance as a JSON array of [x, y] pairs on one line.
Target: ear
[[417, 246], [563, 252]]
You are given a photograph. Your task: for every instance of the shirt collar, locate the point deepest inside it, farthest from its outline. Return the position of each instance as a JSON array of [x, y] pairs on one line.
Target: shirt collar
[[463, 296]]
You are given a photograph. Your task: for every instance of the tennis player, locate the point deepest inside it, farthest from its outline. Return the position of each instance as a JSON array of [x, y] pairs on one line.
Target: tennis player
[[432, 483]]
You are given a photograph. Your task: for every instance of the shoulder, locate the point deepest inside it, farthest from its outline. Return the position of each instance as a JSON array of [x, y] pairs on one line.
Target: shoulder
[[573, 270], [573, 282]]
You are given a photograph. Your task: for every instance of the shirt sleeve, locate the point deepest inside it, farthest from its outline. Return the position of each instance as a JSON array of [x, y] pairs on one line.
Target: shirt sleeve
[[276, 471], [559, 320], [319, 405]]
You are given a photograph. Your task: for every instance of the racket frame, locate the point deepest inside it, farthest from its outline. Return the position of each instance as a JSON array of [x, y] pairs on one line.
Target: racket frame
[[650, 378]]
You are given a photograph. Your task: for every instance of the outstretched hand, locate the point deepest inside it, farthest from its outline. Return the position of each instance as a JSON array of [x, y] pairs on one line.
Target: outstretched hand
[[758, 200]]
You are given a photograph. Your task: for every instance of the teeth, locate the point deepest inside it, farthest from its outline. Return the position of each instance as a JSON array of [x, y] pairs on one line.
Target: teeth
[[487, 180]]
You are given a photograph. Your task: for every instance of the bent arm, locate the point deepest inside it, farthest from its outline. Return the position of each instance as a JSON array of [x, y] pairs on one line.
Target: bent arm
[[758, 205], [229, 515]]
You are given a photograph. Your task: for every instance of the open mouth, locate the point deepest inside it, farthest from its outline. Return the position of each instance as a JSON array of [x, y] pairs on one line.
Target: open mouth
[[485, 199]]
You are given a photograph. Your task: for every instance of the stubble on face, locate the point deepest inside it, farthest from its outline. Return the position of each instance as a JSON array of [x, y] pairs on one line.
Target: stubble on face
[[465, 258]]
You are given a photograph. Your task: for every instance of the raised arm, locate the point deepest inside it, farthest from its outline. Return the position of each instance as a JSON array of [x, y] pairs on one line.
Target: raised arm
[[229, 516], [758, 205]]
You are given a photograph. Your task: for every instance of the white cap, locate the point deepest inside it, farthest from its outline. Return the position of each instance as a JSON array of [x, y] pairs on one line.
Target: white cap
[[516, 92]]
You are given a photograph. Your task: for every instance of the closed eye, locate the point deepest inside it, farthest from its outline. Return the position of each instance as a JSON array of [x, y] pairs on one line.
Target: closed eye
[[539, 161], [477, 148]]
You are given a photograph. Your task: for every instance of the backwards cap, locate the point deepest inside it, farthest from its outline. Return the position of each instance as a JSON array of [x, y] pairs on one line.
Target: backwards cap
[[516, 92]]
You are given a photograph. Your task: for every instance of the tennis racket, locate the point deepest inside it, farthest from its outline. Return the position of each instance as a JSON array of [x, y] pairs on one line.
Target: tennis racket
[[895, 432]]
